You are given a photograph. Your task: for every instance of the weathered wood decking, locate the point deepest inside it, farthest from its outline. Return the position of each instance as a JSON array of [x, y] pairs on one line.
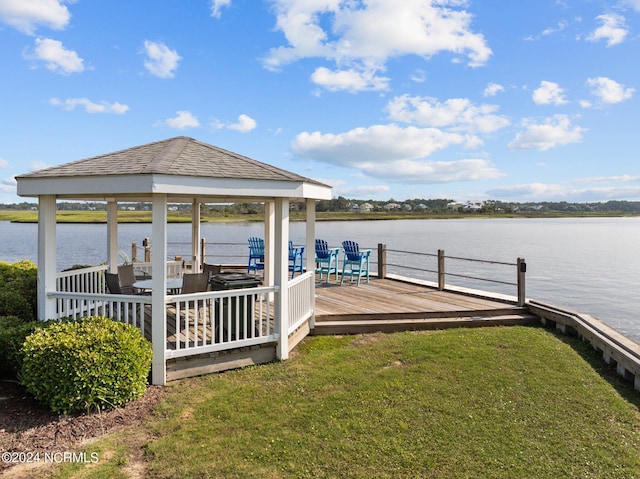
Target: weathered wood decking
[[393, 305]]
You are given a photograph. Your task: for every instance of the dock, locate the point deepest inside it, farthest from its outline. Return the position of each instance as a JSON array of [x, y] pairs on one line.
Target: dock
[[389, 305]]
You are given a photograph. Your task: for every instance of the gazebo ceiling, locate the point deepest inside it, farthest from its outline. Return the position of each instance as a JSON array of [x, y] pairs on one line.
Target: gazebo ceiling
[[183, 168]]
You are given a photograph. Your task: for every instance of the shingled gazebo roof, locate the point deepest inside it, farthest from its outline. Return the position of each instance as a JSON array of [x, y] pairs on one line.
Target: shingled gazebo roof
[[180, 166]]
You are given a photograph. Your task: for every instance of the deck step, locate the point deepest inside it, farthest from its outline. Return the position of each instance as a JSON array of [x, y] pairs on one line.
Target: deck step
[[369, 325]]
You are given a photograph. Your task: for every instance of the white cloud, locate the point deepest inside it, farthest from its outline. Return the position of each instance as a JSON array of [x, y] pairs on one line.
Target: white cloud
[[182, 120], [38, 165], [635, 4], [493, 89], [89, 106], [344, 32], [350, 80], [564, 192], [613, 29], [217, 5], [538, 191], [609, 91], [609, 179], [458, 114], [555, 131], [353, 191], [4, 163], [393, 153], [558, 28], [161, 60], [56, 57], [411, 171], [26, 15], [245, 123], [8, 185], [549, 93], [377, 143]]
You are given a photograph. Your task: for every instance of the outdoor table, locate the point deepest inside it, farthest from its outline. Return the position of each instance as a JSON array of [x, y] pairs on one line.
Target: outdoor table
[[173, 284]]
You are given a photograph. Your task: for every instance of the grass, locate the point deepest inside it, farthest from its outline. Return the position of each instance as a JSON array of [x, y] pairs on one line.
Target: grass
[[465, 403]]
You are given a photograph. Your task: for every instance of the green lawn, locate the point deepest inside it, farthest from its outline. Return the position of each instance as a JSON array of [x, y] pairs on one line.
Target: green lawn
[[464, 403]]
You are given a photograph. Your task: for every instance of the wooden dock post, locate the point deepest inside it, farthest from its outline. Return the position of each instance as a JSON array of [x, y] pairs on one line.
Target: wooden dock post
[[382, 260], [441, 272], [147, 250], [134, 252], [522, 269]]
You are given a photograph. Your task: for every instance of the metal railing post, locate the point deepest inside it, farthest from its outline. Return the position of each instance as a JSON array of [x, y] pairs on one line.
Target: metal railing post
[[441, 271], [522, 269], [382, 260]]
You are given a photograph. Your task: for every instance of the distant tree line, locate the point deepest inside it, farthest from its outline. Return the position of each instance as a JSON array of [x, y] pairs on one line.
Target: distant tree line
[[342, 204]]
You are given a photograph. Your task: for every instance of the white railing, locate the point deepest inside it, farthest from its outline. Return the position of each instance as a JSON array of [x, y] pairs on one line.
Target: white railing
[[219, 320], [300, 300], [125, 308], [196, 323], [85, 280]]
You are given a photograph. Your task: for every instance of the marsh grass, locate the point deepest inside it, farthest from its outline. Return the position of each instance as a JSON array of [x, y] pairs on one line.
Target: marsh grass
[[468, 403], [66, 216]]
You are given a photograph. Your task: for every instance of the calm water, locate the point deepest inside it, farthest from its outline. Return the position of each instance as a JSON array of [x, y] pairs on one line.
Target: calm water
[[586, 264]]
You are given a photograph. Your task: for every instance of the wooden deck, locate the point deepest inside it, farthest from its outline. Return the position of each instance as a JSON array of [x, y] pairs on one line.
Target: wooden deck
[[393, 305], [384, 305]]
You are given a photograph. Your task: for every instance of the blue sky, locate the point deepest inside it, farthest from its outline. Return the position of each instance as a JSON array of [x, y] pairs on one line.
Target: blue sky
[[534, 100]]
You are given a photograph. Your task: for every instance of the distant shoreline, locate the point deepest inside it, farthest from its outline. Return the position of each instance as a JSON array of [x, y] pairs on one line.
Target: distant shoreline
[[143, 217]]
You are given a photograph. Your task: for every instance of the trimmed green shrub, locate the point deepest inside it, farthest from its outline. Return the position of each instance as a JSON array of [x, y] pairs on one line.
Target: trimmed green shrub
[[12, 303], [21, 279], [89, 364], [13, 331]]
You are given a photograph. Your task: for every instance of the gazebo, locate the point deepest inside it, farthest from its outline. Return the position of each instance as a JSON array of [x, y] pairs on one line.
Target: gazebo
[[184, 329]]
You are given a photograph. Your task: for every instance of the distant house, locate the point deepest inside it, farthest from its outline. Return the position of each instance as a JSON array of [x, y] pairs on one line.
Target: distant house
[[392, 206], [473, 205], [366, 207]]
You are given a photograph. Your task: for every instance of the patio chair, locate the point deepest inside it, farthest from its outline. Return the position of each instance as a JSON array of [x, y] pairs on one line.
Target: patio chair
[[195, 282], [113, 283], [356, 259], [211, 269], [256, 255], [326, 259], [296, 259], [127, 277]]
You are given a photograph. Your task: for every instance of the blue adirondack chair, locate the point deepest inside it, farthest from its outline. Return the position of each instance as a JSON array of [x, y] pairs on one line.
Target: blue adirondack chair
[[296, 259], [326, 259], [256, 254], [356, 259]]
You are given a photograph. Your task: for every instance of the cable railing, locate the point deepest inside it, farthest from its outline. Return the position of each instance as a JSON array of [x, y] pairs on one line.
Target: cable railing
[[465, 272], [422, 263]]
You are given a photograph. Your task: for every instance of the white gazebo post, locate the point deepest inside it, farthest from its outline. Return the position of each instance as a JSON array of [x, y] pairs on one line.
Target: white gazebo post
[[281, 275], [112, 235], [195, 237], [311, 251], [159, 289], [46, 256], [269, 241]]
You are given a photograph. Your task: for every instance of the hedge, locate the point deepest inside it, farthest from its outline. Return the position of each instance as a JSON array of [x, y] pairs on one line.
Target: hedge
[[88, 364]]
